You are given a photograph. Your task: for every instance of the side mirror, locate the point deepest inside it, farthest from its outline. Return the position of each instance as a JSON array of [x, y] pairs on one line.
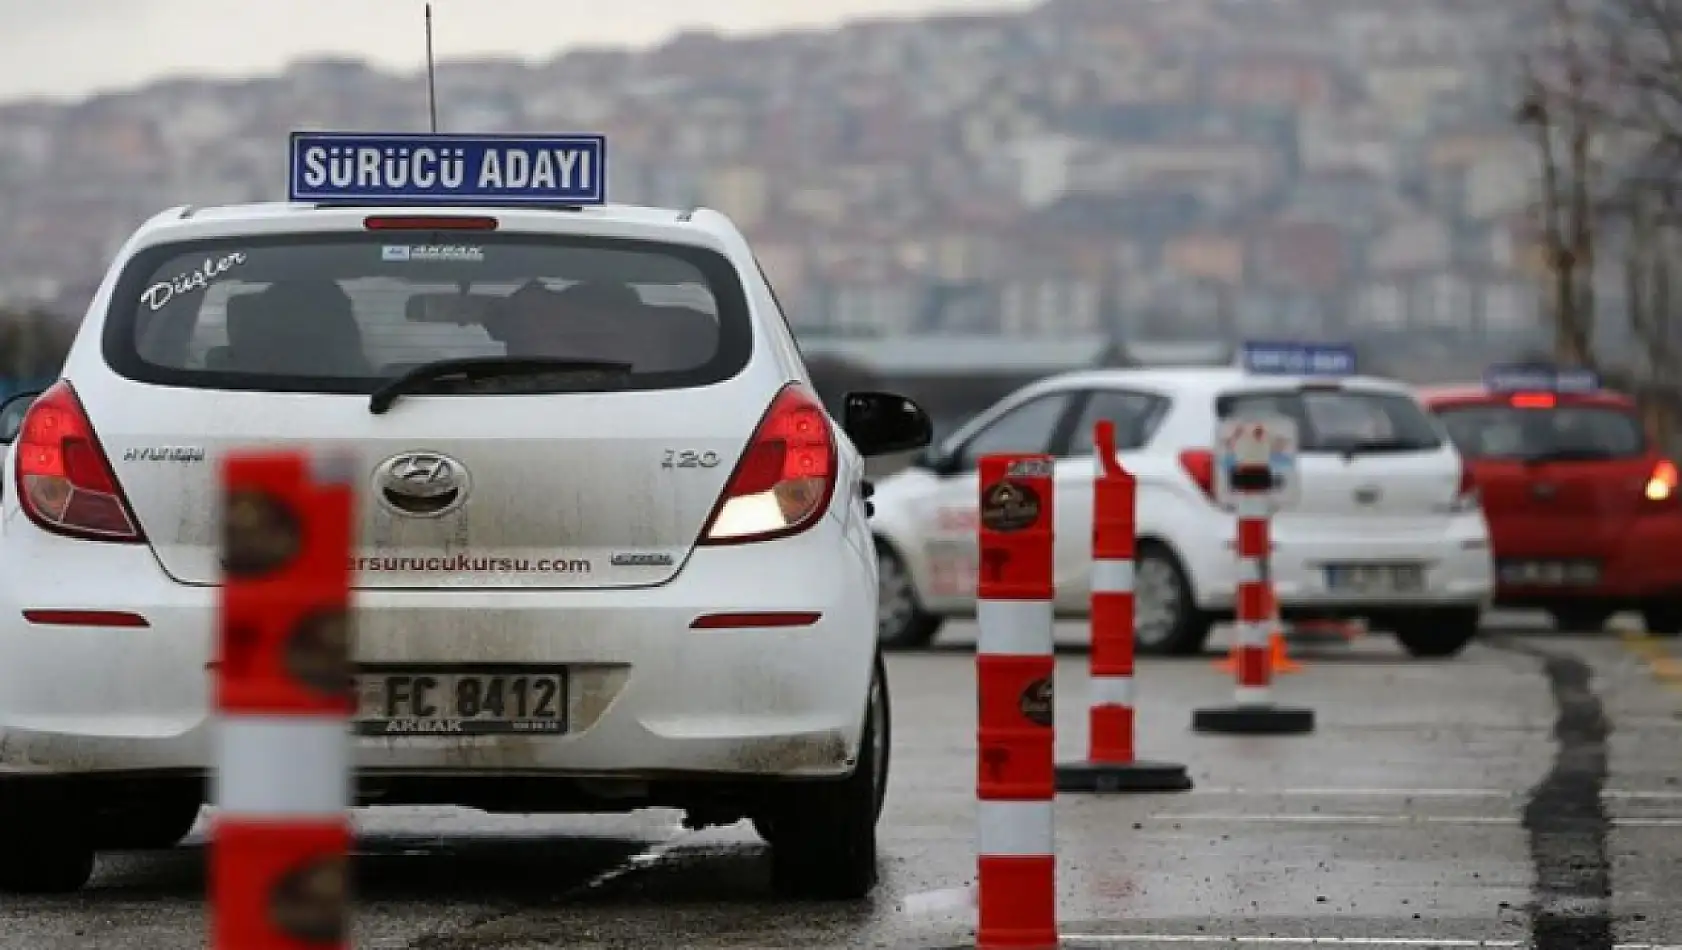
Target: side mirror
[[12, 412], [885, 424]]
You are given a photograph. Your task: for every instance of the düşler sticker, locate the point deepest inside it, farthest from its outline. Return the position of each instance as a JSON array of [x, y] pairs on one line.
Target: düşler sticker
[[1037, 701], [161, 293], [1008, 506]]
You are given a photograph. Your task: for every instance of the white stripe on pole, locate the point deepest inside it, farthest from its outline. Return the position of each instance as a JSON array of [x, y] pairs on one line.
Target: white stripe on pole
[[1111, 691], [1251, 506], [283, 766], [1112, 577], [1253, 634], [1253, 695], [1015, 628], [1249, 570], [1015, 829]]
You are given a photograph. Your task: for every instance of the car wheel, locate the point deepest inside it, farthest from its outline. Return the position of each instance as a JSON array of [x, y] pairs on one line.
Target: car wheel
[[1586, 618], [1437, 633], [1166, 622], [148, 825], [1663, 619], [823, 834], [901, 621]]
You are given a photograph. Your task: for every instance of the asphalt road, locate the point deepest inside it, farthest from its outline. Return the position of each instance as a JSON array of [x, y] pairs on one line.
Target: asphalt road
[[1433, 807]]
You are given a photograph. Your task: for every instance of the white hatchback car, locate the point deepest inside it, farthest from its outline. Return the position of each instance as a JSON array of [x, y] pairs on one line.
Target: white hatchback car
[[1388, 526], [596, 474]]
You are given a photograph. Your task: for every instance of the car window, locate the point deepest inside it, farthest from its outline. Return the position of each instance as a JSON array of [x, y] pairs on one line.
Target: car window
[[1500, 431], [1343, 420], [1135, 415], [1027, 428], [341, 313]]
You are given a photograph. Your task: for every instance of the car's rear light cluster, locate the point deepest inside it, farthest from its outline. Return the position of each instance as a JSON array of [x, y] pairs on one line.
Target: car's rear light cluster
[[1466, 493], [1662, 484], [64, 479], [1200, 465], [786, 477]]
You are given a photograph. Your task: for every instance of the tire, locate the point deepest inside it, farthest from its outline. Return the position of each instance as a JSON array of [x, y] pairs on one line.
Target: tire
[[148, 825], [1587, 618], [1663, 618], [901, 621], [46, 867], [1437, 633], [823, 834], [1167, 621]]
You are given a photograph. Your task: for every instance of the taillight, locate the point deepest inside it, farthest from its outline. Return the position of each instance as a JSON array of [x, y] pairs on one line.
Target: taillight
[[1200, 465], [1533, 401], [64, 480], [785, 479], [1466, 494], [429, 222], [1661, 485]]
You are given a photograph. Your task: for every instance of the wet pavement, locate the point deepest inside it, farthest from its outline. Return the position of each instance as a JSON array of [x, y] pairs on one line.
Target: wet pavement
[[1433, 807]]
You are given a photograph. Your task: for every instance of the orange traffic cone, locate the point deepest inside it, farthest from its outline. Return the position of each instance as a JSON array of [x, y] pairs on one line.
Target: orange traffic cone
[[1281, 654]]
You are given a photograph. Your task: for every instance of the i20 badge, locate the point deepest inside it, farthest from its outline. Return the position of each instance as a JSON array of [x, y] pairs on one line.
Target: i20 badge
[[422, 484]]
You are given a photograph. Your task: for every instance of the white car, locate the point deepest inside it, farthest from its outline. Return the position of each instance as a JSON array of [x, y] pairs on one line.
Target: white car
[[1388, 526], [595, 475]]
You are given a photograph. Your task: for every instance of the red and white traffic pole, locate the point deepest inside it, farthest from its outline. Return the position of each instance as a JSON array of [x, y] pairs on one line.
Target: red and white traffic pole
[[1110, 764], [280, 838], [1253, 711], [1015, 659]]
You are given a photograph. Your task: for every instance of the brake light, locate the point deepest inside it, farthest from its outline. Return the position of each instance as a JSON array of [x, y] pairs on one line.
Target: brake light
[[1661, 486], [1200, 465], [785, 479], [1534, 401], [64, 479], [1466, 493], [397, 222]]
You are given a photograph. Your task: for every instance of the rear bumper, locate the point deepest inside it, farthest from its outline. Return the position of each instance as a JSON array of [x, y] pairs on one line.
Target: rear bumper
[[649, 696], [1641, 565], [1455, 554]]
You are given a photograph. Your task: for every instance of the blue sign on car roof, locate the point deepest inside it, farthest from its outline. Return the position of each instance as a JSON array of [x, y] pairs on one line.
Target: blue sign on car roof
[[1540, 377], [1299, 359], [362, 168]]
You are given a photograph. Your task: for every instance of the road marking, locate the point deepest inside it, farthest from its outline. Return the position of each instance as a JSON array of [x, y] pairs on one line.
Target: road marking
[[1490, 793], [1318, 819], [1240, 940]]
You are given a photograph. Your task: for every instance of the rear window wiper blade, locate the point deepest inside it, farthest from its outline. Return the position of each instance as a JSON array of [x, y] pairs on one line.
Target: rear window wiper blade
[[1569, 455], [1360, 446], [471, 369]]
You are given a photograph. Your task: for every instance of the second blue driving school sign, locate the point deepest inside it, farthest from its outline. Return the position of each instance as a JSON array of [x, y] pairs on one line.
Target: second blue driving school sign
[[448, 169]]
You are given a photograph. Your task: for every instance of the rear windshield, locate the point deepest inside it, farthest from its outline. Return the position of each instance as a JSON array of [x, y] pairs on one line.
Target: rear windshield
[[341, 313], [1342, 420], [1497, 431]]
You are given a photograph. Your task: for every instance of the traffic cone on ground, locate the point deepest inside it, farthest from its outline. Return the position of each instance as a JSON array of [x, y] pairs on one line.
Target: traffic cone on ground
[[1280, 650]]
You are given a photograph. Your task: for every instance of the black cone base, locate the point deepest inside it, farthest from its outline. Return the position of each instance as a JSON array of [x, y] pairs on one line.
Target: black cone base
[[1104, 777], [1254, 720]]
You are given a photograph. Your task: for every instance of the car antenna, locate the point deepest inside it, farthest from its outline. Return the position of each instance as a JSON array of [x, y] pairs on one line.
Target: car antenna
[[431, 73]]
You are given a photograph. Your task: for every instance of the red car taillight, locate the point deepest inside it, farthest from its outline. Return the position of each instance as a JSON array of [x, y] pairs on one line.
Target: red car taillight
[[785, 479], [1662, 484], [64, 479], [1200, 465]]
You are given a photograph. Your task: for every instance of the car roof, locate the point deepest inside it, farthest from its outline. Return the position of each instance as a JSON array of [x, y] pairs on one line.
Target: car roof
[[1462, 393], [697, 226], [1193, 380]]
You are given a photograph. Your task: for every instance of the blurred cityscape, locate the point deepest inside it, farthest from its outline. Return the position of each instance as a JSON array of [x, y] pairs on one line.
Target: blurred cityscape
[[1035, 186]]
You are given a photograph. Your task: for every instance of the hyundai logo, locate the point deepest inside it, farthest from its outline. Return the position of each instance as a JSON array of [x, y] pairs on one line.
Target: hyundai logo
[[1368, 495], [422, 484]]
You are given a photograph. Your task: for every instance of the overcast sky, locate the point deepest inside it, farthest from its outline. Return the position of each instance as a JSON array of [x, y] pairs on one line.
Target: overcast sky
[[74, 47]]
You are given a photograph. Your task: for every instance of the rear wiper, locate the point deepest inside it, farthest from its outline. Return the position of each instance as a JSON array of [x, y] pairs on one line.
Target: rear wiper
[[1351, 449], [1568, 455], [471, 369]]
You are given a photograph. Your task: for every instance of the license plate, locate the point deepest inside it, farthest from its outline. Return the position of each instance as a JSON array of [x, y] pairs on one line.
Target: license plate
[[1376, 578], [462, 703], [1549, 573]]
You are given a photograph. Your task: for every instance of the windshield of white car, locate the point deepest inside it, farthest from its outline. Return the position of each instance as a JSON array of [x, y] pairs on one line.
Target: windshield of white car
[[349, 313], [1560, 433], [1346, 421]]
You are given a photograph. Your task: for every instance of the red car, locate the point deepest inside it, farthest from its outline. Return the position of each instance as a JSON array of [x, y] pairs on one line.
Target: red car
[[1585, 516]]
